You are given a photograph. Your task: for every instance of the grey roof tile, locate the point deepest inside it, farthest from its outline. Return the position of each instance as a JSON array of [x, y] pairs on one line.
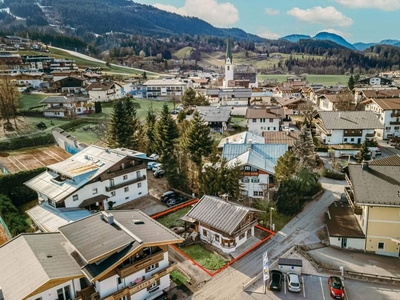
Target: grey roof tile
[[350, 120]]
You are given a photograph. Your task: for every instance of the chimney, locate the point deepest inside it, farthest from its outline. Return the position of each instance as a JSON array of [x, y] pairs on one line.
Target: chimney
[[108, 217], [364, 165]]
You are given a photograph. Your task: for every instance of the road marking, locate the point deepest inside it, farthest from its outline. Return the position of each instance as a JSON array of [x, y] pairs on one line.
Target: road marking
[[322, 288], [14, 163], [304, 287], [39, 161], [20, 163]]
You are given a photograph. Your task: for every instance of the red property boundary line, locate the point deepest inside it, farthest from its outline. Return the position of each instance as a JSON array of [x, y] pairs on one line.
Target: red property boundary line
[[271, 234]]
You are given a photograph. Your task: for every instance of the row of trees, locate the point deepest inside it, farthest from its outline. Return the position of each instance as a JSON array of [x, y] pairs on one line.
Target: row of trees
[[181, 147]]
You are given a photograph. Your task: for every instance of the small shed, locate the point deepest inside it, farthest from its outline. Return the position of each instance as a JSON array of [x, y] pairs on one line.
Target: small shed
[[290, 265]]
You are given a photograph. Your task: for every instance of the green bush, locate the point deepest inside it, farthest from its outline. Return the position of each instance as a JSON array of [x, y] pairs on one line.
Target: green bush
[[13, 186], [333, 175], [16, 222], [26, 142]]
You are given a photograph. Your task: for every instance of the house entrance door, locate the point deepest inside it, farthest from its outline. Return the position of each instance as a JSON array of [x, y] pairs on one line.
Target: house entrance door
[[359, 140], [344, 242]]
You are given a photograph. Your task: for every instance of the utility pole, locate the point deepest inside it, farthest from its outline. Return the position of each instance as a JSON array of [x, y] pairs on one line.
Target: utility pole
[[270, 218]]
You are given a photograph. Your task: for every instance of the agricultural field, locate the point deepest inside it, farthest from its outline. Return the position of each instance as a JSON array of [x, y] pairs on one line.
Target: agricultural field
[[323, 79]]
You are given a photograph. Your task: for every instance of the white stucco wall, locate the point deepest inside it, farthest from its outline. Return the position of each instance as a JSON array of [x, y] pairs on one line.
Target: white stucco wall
[[120, 197], [258, 126], [51, 293], [352, 243], [250, 187]]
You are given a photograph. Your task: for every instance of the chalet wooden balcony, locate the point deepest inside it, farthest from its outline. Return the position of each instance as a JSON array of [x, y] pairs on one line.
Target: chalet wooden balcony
[[134, 288], [125, 183], [395, 123], [350, 198], [140, 264], [348, 181], [395, 114], [243, 228], [126, 170]]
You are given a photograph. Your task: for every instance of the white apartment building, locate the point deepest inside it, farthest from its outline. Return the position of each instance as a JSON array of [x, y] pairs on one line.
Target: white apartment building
[[262, 119], [104, 91], [164, 88]]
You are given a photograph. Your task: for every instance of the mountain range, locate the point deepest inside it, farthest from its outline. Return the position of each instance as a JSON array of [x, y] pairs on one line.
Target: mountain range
[[294, 38]]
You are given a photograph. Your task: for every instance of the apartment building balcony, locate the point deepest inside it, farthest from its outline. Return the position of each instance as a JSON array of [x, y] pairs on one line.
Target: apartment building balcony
[[140, 263], [135, 288], [125, 183], [395, 122], [395, 114], [126, 170]]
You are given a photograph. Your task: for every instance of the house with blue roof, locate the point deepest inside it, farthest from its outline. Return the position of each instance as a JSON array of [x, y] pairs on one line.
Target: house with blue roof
[[258, 163]]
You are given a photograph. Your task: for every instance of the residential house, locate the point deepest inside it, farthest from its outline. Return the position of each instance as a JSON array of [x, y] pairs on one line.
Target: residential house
[[217, 117], [118, 255], [165, 88], [388, 112], [221, 223], [66, 106], [245, 137], [263, 119], [70, 84], [36, 62], [375, 81], [346, 127], [330, 90], [200, 82], [232, 96], [57, 75], [104, 91], [260, 97], [281, 137], [327, 102], [343, 227], [33, 79], [288, 102], [95, 178], [361, 94], [50, 272], [11, 60], [258, 163], [373, 194], [61, 65]]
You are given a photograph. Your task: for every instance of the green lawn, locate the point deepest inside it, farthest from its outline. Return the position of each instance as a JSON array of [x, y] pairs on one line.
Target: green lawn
[[323, 79], [28, 101], [204, 257], [172, 219], [86, 136], [178, 277]]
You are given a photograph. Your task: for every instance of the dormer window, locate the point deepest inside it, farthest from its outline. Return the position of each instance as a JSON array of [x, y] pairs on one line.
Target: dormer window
[[75, 198]]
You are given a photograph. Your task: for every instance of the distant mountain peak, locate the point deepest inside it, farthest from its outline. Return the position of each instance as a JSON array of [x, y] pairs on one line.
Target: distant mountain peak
[[334, 38], [294, 38]]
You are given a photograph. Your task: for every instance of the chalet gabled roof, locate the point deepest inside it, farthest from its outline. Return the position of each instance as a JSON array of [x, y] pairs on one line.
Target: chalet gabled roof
[[219, 214], [350, 120]]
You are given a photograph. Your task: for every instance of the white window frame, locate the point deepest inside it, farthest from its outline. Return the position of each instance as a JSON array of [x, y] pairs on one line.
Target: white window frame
[[383, 248]]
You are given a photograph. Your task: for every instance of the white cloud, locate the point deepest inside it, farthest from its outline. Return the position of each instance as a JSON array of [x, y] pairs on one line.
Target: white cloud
[[343, 34], [321, 15], [389, 5], [267, 33], [218, 14], [271, 11]]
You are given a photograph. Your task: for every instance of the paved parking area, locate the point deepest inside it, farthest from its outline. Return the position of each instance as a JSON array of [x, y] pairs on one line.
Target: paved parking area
[[316, 288]]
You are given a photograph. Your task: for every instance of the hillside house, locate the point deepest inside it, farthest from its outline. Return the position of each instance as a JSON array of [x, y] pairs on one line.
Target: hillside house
[[346, 127], [263, 119], [70, 84], [66, 106], [216, 117], [223, 224], [375, 81], [104, 91]]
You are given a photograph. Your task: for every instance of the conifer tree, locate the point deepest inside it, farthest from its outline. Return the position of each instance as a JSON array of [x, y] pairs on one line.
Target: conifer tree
[[303, 151], [150, 131], [364, 154], [286, 167], [351, 83]]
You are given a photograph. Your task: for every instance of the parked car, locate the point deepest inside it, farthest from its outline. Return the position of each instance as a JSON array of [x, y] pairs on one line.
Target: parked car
[[168, 195], [154, 156], [275, 280], [157, 167], [176, 200], [164, 296], [293, 282], [151, 164], [336, 287], [159, 173]]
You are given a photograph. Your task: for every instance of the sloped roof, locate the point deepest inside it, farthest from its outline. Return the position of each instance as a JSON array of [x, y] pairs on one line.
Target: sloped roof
[[386, 93], [245, 137], [393, 160], [260, 156], [100, 86], [63, 99], [350, 120], [388, 103], [281, 137], [30, 260], [215, 113], [342, 222], [256, 113], [220, 214], [376, 184]]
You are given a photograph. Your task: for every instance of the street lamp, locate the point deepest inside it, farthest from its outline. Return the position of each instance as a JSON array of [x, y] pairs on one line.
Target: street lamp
[[270, 217]]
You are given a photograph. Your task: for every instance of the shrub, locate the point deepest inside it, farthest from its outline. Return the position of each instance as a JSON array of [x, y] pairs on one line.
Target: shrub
[[27, 142], [16, 222], [333, 175]]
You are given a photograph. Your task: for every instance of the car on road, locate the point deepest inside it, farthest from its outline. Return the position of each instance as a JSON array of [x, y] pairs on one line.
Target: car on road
[[336, 287], [293, 282], [275, 280], [151, 164], [287, 128], [159, 173], [168, 195]]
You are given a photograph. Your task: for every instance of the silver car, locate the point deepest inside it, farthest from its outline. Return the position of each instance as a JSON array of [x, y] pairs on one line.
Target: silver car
[[293, 282]]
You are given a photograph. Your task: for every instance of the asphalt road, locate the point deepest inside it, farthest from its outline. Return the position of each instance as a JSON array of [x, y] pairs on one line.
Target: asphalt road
[[387, 150], [300, 230]]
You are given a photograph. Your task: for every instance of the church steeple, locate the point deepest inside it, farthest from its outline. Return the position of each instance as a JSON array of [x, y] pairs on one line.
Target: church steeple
[[229, 50]]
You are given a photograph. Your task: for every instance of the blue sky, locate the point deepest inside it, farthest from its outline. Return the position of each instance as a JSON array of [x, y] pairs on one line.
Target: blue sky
[[355, 20]]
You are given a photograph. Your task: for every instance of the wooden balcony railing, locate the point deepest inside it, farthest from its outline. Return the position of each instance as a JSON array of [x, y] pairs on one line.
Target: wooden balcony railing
[[134, 288], [348, 181], [243, 228], [140, 264], [124, 171], [125, 183]]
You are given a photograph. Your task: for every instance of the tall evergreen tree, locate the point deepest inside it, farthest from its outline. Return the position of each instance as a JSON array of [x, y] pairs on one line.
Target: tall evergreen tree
[[303, 151], [188, 98], [166, 133], [124, 130], [286, 167], [150, 131], [351, 83], [197, 140]]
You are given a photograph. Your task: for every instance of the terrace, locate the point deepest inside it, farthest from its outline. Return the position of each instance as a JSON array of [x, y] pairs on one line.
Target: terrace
[[128, 182]]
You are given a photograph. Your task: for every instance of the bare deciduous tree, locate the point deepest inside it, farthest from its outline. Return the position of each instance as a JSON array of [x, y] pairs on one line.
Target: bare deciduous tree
[[8, 103]]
